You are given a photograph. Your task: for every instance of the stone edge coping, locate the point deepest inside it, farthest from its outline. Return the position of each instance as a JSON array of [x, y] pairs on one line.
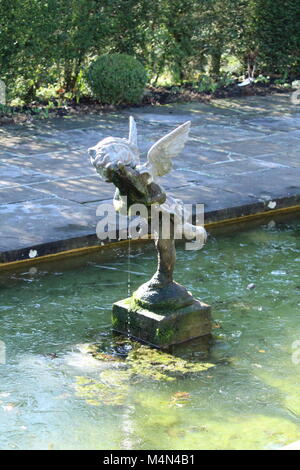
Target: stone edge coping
[[89, 242]]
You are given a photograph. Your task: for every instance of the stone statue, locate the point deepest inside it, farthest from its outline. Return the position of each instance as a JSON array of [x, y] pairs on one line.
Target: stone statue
[[156, 310]]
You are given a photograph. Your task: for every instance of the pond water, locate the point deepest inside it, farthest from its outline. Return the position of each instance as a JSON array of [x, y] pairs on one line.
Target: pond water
[[56, 395]]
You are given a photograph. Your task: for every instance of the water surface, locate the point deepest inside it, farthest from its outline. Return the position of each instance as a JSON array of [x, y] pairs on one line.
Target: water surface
[[249, 400]]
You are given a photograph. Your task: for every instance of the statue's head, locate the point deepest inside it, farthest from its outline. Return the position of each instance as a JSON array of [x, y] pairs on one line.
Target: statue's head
[[114, 150]]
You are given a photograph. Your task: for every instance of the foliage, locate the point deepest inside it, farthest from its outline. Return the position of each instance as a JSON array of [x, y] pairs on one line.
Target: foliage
[[51, 44], [117, 79], [262, 79], [270, 37], [44, 43], [207, 84], [276, 26]]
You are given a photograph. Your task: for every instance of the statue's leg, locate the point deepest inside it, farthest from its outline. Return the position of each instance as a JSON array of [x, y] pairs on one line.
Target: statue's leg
[[161, 292], [166, 261], [166, 256]]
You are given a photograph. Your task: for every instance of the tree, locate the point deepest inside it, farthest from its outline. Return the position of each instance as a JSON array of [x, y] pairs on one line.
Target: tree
[[276, 27], [82, 28], [49, 41]]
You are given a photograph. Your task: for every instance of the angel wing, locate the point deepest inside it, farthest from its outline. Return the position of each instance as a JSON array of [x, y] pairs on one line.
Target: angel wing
[[161, 153]]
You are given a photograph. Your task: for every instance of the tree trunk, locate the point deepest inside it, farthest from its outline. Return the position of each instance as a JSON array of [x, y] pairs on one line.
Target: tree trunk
[[71, 72], [215, 64]]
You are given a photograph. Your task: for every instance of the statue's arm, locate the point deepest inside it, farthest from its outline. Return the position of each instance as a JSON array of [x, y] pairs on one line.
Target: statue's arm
[[130, 181]]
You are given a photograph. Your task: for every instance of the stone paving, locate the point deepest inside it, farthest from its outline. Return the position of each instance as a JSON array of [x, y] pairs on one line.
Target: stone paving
[[242, 157]]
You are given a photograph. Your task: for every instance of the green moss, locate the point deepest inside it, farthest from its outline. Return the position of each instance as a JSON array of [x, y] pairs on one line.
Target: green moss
[[136, 304], [145, 358], [142, 363], [96, 392], [164, 335], [94, 350]]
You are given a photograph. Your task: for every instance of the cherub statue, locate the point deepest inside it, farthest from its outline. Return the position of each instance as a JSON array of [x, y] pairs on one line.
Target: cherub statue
[[117, 160]]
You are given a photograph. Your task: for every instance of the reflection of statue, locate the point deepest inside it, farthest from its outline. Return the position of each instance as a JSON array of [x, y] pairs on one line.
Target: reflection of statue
[[117, 161]]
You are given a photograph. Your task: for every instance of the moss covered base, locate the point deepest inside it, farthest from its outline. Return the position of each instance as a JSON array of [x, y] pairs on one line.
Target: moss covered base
[[163, 329]]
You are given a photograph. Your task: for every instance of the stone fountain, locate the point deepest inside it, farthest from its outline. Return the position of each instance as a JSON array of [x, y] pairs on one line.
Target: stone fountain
[[160, 312]]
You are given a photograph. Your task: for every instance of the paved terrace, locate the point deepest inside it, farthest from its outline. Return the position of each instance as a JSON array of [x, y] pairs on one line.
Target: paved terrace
[[242, 158]]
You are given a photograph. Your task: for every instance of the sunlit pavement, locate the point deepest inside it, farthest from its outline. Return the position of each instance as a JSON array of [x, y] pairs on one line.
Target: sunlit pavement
[[242, 158]]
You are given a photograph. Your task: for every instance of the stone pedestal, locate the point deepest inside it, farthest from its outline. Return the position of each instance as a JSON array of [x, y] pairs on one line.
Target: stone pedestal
[[162, 328]]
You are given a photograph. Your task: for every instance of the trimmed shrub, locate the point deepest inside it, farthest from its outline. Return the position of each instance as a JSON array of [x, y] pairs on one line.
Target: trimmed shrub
[[117, 79]]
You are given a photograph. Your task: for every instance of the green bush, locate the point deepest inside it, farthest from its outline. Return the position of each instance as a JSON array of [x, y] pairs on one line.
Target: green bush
[[117, 79], [207, 84]]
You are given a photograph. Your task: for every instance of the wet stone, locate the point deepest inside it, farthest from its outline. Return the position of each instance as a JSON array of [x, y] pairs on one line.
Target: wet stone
[[165, 328]]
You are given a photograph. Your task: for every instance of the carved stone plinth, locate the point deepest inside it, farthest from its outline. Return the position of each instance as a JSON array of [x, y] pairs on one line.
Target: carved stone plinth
[[163, 328]]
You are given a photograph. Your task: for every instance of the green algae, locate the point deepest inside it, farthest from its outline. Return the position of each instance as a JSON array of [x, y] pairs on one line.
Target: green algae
[[147, 362], [94, 350], [101, 392], [142, 363], [164, 335]]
